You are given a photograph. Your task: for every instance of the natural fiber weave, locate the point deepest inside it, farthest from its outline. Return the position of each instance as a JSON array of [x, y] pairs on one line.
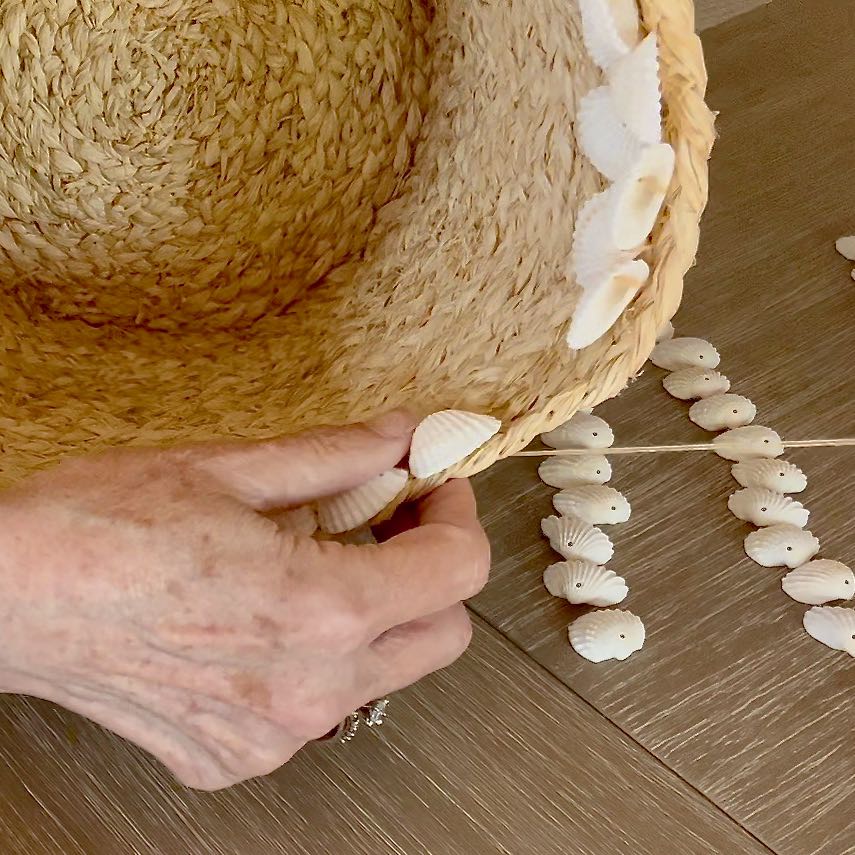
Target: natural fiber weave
[[241, 218]]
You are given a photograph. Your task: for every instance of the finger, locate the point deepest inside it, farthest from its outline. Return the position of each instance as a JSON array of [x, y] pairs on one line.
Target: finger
[[407, 653], [293, 470]]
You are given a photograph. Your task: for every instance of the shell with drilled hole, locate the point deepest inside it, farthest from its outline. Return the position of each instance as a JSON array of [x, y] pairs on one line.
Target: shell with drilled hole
[[633, 80], [352, 509], [576, 540], [582, 431], [680, 353], [604, 139], [781, 546], [612, 634], [722, 412], [694, 384], [764, 508], [595, 504], [583, 583], [563, 472], [610, 29], [778, 475], [446, 438], [748, 443], [833, 626], [820, 582]]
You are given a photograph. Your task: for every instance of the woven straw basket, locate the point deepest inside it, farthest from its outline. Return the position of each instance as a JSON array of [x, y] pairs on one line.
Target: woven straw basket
[[243, 218]]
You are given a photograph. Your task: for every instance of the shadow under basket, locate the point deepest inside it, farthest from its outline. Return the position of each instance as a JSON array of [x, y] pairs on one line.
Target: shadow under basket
[[240, 220]]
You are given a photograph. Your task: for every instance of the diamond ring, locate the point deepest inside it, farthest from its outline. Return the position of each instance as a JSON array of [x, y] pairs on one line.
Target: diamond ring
[[373, 714]]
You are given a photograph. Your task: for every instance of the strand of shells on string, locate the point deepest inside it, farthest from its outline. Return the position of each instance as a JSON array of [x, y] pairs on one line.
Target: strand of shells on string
[[781, 538]]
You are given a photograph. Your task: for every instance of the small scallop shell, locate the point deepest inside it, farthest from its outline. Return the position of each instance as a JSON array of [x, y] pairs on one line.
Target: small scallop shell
[[569, 471], [778, 475], [666, 333], [604, 138], [594, 504], [609, 29], [832, 626], [820, 582], [764, 508], [634, 84], [748, 443], [356, 507], [582, 431], [446, 438], [577, 540], [598, 310], [680, 353], [722, 412], [611, 634], [302, 520], [781, 546], [582, 583], [846, 247], [690, 384], [595, 257]]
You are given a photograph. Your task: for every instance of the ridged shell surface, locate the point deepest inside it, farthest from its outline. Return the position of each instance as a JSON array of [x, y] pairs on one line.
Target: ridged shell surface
[[685, 352], [576, 540], [781, 546], [582, 431], [723, 412], [609, 29], [563, 472], [634, 83], [583, 583], [748, 443], [594, 504], [765, 508], [445, 438], [603, 137], [778, 475], [833, 626], [595, 256], [603, 635], [819, 582], [693, 384], [350, 510]]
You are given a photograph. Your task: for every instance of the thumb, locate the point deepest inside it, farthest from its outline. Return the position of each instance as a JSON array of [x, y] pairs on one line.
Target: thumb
[[321, 462]]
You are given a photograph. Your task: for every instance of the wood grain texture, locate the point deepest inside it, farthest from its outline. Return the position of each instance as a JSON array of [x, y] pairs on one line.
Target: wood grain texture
[[710, 13], [491, 756], [729, 691]]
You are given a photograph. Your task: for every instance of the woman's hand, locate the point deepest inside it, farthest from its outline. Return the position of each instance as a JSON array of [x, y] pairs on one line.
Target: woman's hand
[[145, 590]]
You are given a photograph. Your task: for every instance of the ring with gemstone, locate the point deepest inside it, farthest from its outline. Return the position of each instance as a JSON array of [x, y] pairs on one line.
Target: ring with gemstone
[[373, 714]]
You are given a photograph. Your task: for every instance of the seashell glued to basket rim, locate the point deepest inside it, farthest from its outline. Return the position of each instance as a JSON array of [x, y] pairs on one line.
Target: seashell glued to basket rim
[[439, 273]]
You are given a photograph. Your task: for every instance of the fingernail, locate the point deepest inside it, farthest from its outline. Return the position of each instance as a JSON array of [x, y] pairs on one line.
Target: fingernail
[[393, 425]]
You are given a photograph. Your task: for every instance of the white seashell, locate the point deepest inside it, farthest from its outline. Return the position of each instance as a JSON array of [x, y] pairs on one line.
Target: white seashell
[[593, 503], [612, 634], [605, 140], [569, 471], [778, 475], [301, 521], [781, 546], [634, 84], [763, 508], [595, 256], [582, 431], [577, 540], [832, 626], [348, 511], [636, 198], [609, 29], [666, 333], [691, 384], [680, 353], [819, 582], [722, 412], [748, 443], [599, 309], [446, 438], [580, 582], [846, 247]]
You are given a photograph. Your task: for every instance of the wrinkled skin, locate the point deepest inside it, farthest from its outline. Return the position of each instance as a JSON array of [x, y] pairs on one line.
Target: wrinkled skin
[[146, 590]]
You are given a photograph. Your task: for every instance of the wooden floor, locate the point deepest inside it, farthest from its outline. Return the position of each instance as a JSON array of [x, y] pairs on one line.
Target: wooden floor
[[731, 733]]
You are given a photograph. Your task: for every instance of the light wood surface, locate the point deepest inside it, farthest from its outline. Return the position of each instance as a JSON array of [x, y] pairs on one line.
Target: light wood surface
[[709, 13], [729, 691]]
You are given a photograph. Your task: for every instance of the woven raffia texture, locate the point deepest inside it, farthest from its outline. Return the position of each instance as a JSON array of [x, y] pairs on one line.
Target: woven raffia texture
[[227, 218]]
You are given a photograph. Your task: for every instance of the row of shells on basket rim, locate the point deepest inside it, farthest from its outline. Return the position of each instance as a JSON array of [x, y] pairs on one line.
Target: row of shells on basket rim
[[767, 482]]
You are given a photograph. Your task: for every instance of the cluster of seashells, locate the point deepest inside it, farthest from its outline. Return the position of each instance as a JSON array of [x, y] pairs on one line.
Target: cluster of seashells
[[586, 502], [767, 482], [619, 129]]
